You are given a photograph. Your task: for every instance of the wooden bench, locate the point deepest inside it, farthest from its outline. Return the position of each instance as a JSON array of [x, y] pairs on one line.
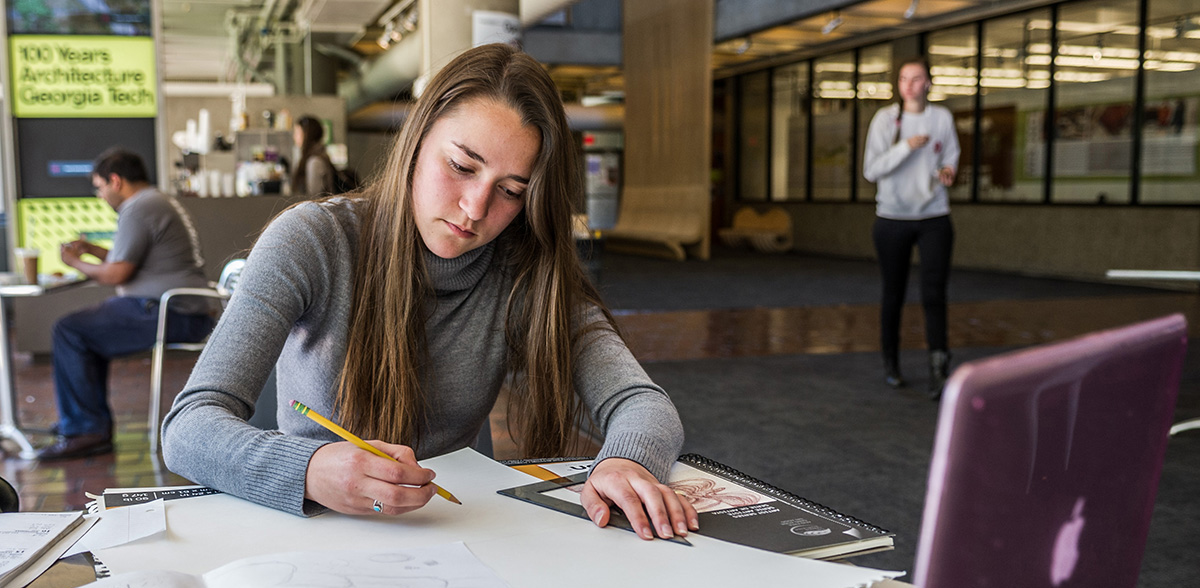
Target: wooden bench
[[662, 221], [769, 232]]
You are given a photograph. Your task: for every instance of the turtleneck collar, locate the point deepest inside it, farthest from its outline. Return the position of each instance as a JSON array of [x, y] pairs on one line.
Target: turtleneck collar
[[460, 273]]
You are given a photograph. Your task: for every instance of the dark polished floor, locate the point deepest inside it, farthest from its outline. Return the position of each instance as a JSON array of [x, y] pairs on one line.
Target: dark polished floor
[[810, 326]]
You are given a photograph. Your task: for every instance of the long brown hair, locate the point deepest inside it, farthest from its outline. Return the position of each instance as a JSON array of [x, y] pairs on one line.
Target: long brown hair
[[379, 395]]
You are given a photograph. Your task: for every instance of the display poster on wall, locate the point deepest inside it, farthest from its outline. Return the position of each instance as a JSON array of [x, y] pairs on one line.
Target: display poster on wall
[[1097, 140], [84, 76], [1169, 137]]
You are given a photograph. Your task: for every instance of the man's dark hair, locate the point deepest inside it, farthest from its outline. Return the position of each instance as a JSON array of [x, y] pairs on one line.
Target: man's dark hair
[[126, 164]]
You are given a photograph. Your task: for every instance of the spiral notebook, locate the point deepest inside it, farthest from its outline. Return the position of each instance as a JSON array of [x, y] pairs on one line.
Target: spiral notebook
[[733, 507], [742, 509]]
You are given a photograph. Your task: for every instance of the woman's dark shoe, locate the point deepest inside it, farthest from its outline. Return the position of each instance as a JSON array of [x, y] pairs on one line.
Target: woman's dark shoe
[[939, 370], [891, 373]]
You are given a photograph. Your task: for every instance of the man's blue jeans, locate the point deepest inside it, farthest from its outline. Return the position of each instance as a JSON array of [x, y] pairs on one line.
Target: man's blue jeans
[[86, 341]]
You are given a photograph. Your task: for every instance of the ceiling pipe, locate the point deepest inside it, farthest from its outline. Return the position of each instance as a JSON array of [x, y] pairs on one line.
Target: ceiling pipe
[[390, 73]]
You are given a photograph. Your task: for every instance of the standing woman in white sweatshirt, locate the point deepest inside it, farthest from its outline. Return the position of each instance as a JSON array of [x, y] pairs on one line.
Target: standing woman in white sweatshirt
[[912, 154]]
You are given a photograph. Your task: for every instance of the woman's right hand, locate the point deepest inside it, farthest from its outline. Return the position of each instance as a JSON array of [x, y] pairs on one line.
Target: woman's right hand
[[343, 477], [917, 141]]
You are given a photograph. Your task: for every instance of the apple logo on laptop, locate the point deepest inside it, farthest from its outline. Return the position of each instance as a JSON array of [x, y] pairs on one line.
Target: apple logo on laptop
[[1066, 546]]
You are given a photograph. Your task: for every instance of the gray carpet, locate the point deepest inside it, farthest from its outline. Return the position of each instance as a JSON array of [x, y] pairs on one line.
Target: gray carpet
[[824, 426]]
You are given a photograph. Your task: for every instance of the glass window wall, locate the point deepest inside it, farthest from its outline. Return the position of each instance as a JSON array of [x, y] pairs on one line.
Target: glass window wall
[[874, 92], [789, 132], [953, 55], [796, 135], [1015, 82], [1095, 78], [833, 106], [753, 125], [1168, 160]]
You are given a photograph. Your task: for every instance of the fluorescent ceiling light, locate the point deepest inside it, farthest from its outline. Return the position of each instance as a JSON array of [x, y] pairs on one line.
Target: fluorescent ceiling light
[[833, 23], [1091, 62], [1002, 82], [952, 50], [836, 94], [950, 70], [835, 66]]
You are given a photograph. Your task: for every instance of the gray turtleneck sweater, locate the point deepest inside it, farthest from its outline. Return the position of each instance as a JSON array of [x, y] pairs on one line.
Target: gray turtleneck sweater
[[291, 309]]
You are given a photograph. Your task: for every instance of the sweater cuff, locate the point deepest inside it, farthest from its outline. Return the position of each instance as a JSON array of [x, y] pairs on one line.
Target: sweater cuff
[[282, 477], [648, 451]]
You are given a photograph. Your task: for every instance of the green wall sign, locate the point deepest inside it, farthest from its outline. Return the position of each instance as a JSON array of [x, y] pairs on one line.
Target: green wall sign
[[61, 76]]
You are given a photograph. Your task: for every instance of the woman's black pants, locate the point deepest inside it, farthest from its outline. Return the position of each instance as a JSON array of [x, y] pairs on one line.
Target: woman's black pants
[[894, 240]]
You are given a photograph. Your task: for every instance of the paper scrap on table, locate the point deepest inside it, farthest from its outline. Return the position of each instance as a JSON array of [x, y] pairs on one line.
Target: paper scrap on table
[[119, 526]]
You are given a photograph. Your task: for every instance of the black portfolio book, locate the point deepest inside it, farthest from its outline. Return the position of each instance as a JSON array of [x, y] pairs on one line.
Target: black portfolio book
[[741, 509], [732, 506]]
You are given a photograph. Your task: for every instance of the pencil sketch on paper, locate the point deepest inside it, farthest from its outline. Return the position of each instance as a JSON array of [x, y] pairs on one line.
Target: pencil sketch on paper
[[707, 495], [705, 492], [442, 566]]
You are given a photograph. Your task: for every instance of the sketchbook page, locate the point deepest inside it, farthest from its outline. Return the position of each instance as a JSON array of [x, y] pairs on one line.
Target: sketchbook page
[[210, 531], [543, 558], [43, 563], [118, 526]]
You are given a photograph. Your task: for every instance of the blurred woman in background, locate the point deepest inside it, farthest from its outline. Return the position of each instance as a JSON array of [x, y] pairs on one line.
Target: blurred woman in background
[[313, 174]]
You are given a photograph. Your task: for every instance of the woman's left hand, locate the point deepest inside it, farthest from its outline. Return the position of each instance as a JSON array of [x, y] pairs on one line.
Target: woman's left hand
[[649, 505], [946, 175]]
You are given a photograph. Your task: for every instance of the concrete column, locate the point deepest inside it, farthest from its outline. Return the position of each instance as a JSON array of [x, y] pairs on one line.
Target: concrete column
[[668, 117]]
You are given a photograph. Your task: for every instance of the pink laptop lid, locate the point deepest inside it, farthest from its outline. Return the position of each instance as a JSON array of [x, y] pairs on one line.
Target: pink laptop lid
[[1046, 462]]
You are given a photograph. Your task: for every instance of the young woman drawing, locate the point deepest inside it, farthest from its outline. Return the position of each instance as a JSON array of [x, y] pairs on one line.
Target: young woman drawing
[[399, 312], [912, 153]]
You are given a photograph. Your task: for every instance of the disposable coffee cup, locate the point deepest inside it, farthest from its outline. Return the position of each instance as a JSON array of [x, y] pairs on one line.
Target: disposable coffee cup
[[28, 260]]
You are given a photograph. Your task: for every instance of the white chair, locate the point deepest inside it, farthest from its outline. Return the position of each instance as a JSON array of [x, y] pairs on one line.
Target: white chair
[[222, 290]]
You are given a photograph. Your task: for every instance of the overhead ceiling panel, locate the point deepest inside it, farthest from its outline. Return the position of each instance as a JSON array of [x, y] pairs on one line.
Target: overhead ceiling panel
[[341, 16]]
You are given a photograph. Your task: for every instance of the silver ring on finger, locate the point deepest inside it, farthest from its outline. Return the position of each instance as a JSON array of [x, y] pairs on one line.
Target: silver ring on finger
[[378, 506]]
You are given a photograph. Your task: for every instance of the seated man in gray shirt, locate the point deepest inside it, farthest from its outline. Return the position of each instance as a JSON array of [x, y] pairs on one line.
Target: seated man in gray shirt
[[154, 249]]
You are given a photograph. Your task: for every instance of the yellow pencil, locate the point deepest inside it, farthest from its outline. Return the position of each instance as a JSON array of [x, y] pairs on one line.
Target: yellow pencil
[[351, 437]]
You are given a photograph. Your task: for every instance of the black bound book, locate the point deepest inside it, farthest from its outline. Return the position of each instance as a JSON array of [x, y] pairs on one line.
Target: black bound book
[[732, 507], [741, 509]]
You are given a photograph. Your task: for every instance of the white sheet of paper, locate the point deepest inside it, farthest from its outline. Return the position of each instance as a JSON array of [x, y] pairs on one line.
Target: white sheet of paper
[[43, 563], [590, 556], [118, 526], [210, 531], [442, 565], [526, 544]]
